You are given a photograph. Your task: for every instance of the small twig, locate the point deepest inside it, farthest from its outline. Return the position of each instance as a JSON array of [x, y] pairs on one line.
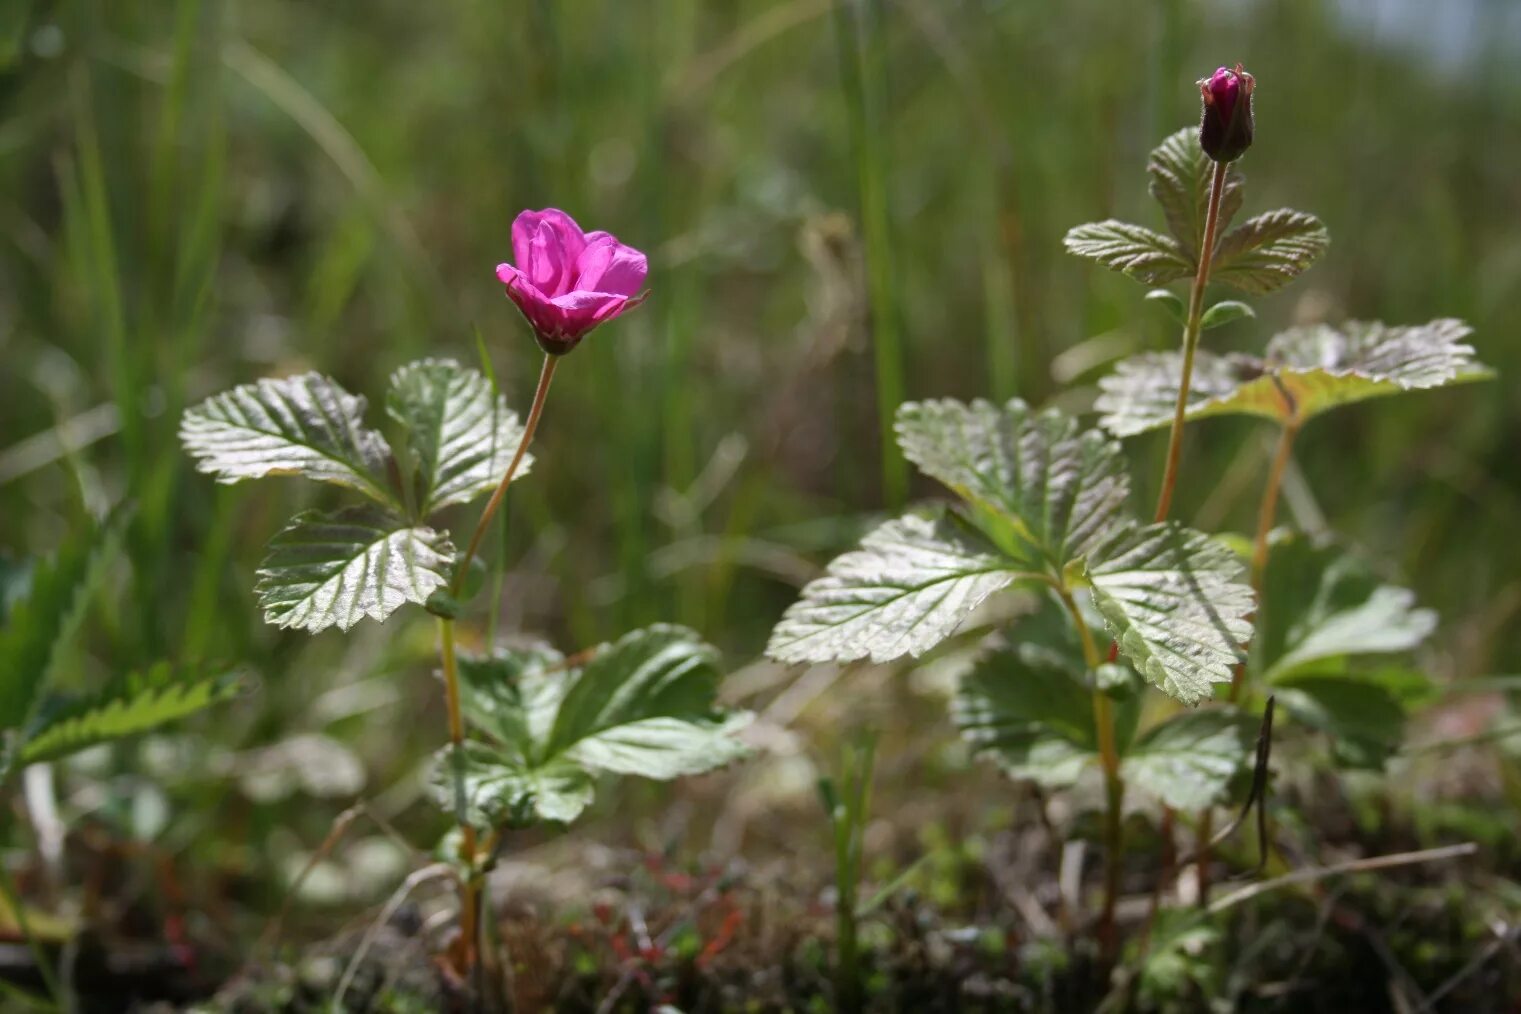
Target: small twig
[[272, 931], [1314, 873], [1256, 797], [1478, 961]]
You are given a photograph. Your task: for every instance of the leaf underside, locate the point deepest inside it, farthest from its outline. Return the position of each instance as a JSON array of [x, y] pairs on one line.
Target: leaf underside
[[303, 425], [459, 430], [1306, 371], [327, 570], [643, 705], [130, 706]]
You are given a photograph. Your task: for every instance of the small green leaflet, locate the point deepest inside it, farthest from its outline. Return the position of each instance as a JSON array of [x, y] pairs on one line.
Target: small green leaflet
[[1172, 599], [1306, 371], [1060, 489], [303, 425], [1190, 760], [1269, 251], [1362, 714], [128, 707], [1180, 178], [910, 585], [461, 434], [328, 570], [1134, 250], [42, 617], [546, 725]]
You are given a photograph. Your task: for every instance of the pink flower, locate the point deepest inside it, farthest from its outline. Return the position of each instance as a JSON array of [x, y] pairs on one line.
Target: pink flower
[[567, 281]]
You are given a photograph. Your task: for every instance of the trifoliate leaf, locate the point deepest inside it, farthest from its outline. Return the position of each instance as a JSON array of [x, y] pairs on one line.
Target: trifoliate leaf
[[130, 706], [1189, 760], [1180, 180], [643, 705], [1171, 599], [462, 434], [1307, 371], [1061, 490], [303, 425], [1268, 251], [912, 582], [1321, 604], [1135, 250], [328, 570], [1034, 717], [41, 616], [1225, 312]]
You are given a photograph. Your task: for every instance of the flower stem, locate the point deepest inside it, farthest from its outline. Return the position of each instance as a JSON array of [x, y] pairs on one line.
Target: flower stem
[[449, 662], [540, 394], [1191, 339], [1114, 786]]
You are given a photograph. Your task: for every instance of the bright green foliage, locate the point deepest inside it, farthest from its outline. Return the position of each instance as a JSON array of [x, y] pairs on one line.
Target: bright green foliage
[[1049, 505], [328, 570], [1226, 311], [1327, 629], [1189, 761], [545, 725], [910, 585], [304, 425], [1180, 177], [1269, 251], [460, 432], [41, 617], [1307, 371], [132, 705]]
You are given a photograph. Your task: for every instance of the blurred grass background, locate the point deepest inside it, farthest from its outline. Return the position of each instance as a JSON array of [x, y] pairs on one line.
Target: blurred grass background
[[844, 205]]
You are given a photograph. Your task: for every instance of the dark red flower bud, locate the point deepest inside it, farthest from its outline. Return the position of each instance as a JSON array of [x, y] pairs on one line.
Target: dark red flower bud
[[1225, 131]]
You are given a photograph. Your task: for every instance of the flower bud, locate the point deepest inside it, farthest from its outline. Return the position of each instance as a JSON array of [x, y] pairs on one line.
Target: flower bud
[[1225, 131]]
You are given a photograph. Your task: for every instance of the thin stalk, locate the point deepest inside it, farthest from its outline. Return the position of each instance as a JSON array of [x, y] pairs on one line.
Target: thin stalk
[[1191, 340], [39, 955], [1114, 785], [467, 850], [539, 396]]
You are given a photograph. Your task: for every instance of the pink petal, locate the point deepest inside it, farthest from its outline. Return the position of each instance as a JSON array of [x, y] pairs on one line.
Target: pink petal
[[608, 266], [547, 245]]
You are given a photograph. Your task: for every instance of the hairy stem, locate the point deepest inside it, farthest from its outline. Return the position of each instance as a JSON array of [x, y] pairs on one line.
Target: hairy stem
[[467, 851], [1114, 786], [1191, 340], [540, 394]]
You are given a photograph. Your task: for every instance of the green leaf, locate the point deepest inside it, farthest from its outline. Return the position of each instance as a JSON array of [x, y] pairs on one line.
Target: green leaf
[[1307, 371], [1034, 717], [1171, 302], [1321, 604], [1189, 761], [15, 584], [1134, 250], [461, 433], [303, 425], [41, 617], [643, 705], [1364, 718], [912, 582], [1061, 490], [328, 570], [1180, 180], [132, 705], [1225, 312], [1172, 600], [1268, 251]]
